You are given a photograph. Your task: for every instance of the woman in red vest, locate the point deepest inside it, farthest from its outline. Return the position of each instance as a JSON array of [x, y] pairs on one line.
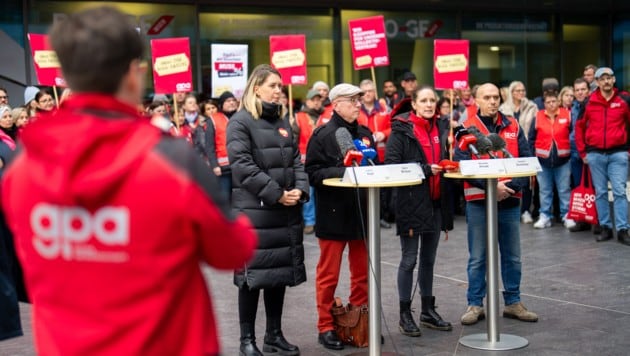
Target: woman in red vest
[[549, 139]]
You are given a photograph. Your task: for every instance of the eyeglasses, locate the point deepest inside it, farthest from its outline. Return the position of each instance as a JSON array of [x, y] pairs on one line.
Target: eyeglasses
[[518, 90], [353, 101], [4, 97]]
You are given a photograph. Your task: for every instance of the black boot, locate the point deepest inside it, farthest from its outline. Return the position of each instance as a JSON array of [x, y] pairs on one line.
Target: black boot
[[406, 325], [248, 341], [275, 341], [430, 318]]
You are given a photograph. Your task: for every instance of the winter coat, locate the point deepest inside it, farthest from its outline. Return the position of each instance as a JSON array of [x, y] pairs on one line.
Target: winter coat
[[265, 162], [527, 113], [414, 206], [336, 208]]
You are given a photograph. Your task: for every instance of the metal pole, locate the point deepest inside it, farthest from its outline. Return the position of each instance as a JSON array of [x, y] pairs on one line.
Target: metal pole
[[492, 264], [374, 266]]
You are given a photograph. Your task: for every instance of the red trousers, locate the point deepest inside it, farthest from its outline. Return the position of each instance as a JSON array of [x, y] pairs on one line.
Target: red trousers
[[327, 277]]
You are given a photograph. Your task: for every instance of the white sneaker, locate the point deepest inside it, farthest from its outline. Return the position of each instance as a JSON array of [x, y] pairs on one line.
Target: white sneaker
[[526, 218], [543, 222], [569, 223]]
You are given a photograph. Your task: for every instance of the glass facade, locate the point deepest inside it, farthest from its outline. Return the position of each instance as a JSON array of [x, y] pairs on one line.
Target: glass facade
[[503, 46]]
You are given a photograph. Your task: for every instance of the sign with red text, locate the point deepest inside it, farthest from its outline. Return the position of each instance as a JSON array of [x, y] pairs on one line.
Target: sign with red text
[[288, 56], [45, 61], [369, 42], [450, 64], [172, 67], [229, 68]]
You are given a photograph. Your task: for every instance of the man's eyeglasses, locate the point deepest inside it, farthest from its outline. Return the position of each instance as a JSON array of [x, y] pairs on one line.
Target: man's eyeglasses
[[353, 101], [4, 97]]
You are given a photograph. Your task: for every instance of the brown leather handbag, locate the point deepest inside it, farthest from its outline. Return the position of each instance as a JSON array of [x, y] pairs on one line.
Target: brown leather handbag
[[351, 323]]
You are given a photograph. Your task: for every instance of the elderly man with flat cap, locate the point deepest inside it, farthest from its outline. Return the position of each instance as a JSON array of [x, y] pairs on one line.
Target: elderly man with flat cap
[[339, 223], [601, 137]]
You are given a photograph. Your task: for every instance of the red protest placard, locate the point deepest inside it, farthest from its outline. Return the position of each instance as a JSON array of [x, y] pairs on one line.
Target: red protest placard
[[369, 43], [450, 64], [45, 61], [288, 56], [172, 70]]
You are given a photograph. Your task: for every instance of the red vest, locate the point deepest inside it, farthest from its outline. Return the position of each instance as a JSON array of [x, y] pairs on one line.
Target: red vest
[[549, 132], [306, 125], [220, 129], [509, 134], [325, 116], [378, 122]]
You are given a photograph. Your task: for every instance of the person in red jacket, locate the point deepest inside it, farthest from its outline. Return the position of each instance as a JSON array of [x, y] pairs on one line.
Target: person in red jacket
[[111, 225], [601, 137]]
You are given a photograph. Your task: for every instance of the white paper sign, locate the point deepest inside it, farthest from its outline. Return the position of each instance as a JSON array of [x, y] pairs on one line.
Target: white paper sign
[[522, 165], [229, 69], [388, 173], [481, 167]]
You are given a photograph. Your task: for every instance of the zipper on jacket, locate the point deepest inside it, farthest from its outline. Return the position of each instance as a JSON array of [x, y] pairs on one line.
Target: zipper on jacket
[[605, 122]]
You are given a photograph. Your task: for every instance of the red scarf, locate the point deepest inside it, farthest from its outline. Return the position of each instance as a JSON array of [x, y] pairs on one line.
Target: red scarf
[[427, 134]]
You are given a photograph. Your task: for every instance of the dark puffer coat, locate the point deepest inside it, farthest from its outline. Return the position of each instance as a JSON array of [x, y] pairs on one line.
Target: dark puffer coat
[[414, 206], [265, 162]]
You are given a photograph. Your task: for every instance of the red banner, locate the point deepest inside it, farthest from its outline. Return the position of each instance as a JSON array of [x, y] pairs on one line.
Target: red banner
[[369, 43], [450, 64], [172, 67], [45, 61], [288, 56]]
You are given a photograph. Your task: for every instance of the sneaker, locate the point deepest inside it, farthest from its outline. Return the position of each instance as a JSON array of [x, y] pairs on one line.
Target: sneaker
[[580, 226], [543, 222], [526, 218], [597, 229], [569, 223], [472, 315], [518, 311], [622, 236]]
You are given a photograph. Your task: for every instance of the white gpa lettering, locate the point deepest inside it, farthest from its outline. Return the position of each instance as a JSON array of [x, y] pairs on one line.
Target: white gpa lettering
[[60, 230]]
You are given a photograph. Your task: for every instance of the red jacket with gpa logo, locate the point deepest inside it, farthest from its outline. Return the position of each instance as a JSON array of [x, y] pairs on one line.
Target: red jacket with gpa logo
[[603, 127], [112, 219]]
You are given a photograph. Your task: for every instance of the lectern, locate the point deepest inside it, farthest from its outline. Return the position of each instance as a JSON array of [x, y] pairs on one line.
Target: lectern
[[373, 178], [491, 171]]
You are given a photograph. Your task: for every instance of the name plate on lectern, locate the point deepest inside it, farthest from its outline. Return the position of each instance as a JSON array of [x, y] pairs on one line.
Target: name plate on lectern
[[522, 165], [481, 167], [388, 173]]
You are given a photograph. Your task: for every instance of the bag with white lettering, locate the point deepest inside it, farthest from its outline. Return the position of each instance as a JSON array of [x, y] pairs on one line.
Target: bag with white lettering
[[582, 203]]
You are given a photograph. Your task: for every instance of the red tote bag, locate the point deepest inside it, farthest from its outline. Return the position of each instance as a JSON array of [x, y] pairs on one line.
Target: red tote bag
[[582, 203]]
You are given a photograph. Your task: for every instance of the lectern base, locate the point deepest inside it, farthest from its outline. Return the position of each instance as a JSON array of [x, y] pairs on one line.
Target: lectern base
[[506, 342], [367, 352]]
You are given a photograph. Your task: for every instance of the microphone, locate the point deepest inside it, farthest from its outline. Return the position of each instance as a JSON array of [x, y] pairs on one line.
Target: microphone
[[465, 141], [498, 144], [351, 157], [484, 146], [368, 152]]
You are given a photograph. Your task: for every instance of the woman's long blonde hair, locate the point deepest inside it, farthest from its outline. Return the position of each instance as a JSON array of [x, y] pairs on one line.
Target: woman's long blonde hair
[[250, 101]]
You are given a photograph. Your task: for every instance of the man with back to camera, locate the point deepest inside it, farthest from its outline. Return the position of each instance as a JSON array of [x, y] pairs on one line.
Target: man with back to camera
[[111, 225], [489, 120], [601, 137], [338, 220]]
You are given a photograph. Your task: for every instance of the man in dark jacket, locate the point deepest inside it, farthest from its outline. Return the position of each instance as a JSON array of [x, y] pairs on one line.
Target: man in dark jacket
[[489, 119], [338, 220], [601, 137]]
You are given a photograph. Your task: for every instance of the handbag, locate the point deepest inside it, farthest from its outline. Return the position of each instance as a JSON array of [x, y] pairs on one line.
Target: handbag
[[351, 323], [582, 203]]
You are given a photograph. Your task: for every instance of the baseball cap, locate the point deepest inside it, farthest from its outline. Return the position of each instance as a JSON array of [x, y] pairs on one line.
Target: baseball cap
[[604, 70], [408, 76], [344, 89], [312, 93]]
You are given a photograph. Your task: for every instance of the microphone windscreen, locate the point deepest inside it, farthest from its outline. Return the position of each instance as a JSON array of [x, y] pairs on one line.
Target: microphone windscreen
[[497, 142], [459, 132], [344, 140]]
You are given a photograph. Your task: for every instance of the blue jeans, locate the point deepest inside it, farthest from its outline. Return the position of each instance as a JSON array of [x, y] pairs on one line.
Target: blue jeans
[[509, 249], [561, 177], [225, 184], [611, 167], [308, 209]]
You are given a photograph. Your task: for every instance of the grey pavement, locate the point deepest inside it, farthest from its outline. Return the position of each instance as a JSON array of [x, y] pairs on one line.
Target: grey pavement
[[579, 288]]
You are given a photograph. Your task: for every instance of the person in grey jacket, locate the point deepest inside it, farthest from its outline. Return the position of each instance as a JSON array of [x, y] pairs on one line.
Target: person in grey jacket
[[269, 186]]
